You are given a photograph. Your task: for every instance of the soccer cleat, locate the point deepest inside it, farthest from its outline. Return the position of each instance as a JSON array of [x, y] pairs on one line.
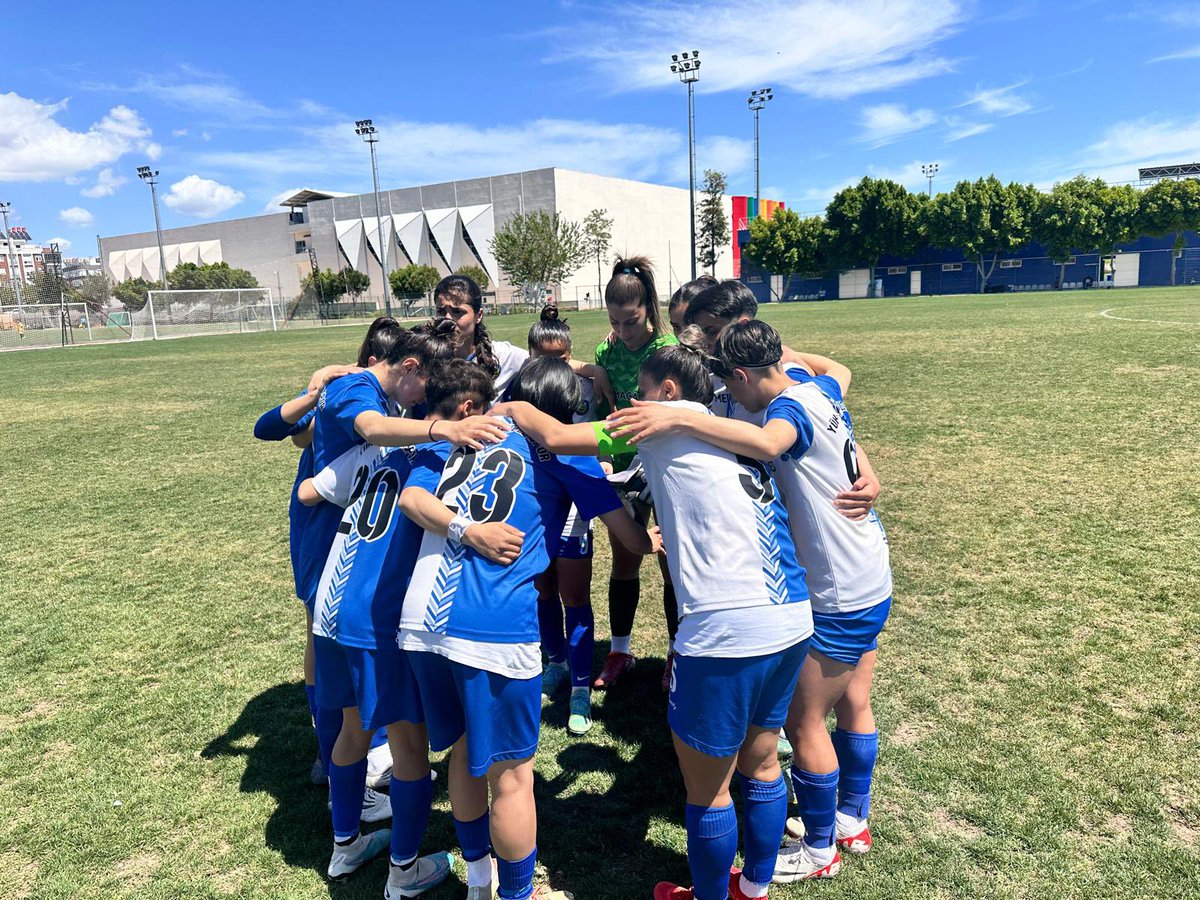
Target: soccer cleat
[[580, 721], [427, 872], [794, 827], [858, 844], [735, 884], [665, 890], [317, 773], [349, 858], [554, 677], [376, 806], [666, 679], [486, 891], [616, 665], [796, 862], [782, 747]]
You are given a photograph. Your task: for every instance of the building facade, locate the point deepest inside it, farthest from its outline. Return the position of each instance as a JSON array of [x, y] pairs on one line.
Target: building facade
[[21, 257]]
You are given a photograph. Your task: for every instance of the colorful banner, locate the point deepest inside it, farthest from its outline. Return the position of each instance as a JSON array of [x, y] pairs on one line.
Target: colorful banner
[[745, 209]]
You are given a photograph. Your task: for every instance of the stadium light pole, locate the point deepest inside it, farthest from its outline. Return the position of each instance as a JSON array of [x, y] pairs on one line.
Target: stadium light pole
[[757, 100], [144, 173], [364, 129], [687, 67], [929, 170], [14, 278]]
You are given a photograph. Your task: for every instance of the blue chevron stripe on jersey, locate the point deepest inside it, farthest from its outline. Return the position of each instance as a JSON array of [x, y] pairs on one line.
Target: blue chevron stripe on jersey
[[768, 545], [327, 618]]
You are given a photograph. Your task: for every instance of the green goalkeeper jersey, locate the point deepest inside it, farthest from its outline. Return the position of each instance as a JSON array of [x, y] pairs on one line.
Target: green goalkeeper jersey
[[623, 365]]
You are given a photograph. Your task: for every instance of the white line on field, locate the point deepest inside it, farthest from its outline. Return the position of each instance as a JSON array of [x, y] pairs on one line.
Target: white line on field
[[1104, 313]]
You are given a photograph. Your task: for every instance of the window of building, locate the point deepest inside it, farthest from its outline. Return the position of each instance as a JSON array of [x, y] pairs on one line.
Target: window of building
[[1010, 263], [897, 270], [1071, 261], [951, 267], [754, 279], [301, 246]]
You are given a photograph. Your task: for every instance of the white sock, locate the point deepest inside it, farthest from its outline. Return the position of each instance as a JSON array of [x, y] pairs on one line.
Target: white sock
[[751, 889], [823, 855], [620, 644], [479, 871], [578, 690], [848, 826]]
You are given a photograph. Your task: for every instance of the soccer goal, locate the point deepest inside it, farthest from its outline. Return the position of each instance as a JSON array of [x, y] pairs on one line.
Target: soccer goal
[[47, 325], [172, 314]]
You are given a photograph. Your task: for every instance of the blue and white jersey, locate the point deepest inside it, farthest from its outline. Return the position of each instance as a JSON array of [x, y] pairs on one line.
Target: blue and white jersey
[[372, 557], [511, 358], [724, 405], [847, 561], [271, 427], [474, 611]]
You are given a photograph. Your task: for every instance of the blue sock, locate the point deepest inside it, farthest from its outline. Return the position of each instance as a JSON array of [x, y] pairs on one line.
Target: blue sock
[[411, 804], [764, 810], [379, 738], [856, 753], [328, 725], [310, 691], [516, 878], [581, 644], [712, 844], [474, 838], [346, 785], [816, 798], [550, 627]]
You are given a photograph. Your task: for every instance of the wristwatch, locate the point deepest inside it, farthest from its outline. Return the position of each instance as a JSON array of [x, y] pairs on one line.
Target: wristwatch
[[457, 528]]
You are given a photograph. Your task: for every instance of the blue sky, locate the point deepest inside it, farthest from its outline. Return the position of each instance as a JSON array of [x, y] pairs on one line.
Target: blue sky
[[239, 103]]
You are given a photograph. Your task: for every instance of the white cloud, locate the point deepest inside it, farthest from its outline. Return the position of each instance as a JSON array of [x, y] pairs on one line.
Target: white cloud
[[76, 217], [179, 132], [959, 129], [999, 101], [106, 184], [1189, 53], [152, 150], [64, 245], [816, 47], [206, 136], [202, 197], [36, 147], [889, 122], [1127, 146]]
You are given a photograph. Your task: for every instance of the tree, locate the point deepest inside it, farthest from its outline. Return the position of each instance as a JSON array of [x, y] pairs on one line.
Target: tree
[[95, 290], [982, 219], [1171, 207], [208, 277], [871, 218], [357, 283], [714, 222], [597, 236], [538, 249], [48, 287], [414, 279], [788, 245], [475, 273], [1070, 217], [134, 292]]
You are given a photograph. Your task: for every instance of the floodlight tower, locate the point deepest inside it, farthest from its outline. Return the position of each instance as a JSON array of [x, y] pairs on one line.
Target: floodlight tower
[[14, 277], [757, 100], [151, 178], [929, 170], [687, 67], [364, 129]]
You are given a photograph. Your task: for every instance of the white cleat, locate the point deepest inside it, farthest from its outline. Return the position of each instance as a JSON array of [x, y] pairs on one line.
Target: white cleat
[[379, 767], [349, 858], [797, 862], [427, 872], [794, 827], [376, 807]]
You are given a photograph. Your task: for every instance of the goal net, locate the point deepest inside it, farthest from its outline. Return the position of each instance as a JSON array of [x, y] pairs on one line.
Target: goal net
[[29, 326], [171, 314]]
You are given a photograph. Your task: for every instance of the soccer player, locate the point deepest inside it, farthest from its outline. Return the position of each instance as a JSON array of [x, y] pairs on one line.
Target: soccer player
[[744, 626], [808, 437], [470, 627], [638, 330], [683, 295]]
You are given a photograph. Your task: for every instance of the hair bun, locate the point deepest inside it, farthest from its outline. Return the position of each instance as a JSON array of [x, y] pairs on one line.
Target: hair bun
[[550, 312]]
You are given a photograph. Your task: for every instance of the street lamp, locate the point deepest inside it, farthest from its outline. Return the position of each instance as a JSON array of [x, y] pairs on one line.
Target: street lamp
[[14, 277], [144, 173], [929, 170], [757, 100], [687, 67], [364, 129]]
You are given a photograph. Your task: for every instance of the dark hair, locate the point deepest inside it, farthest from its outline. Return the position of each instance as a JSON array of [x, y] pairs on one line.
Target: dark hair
[[464, 290], [425, 343], [379, 340], [451, 381], [685, 363], [685, 293], [549, 329], [632, 283], [549, 384], [746, 345], [728, 299]]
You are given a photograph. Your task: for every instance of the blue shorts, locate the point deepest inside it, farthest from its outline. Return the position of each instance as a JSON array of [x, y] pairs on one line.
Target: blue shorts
[[714, 701], [575, 547], [845, 637], [499, 715], [379, 682]]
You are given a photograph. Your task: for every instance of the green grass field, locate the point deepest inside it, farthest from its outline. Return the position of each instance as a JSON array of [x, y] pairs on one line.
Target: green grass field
[[1037, 683]]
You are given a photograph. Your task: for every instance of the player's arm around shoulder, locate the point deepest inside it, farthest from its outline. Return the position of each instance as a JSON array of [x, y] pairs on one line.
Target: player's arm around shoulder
[[497, 541], [553, 435], [820, 365]]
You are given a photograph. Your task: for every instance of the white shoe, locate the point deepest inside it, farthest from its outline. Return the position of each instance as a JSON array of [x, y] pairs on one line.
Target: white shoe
[[379, 766], [797, 862], [376, 807], [349, 858], [427, 872], [486, 891]]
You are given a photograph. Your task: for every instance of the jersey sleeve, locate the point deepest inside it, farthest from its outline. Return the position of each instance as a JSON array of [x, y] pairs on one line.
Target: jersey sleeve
[[788, 410], [271, 426], [335, 482], [586, 485], [356, 399], [829, 386], [427, 465]]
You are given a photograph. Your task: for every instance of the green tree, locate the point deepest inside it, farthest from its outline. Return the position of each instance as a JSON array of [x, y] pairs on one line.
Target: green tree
[[475, 273], [788, 245], [982, 219], [1171, 207], [208, 277], [714, 221], [874, 217], [414, 279], [356, 283], [538, 249], [1071, 218], [597, 236], [46, 288], [95, 290], [134, 292]]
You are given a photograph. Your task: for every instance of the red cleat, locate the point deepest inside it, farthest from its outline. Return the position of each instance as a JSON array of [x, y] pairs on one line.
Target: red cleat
[[615, 666], [858, 844], [735, 884], [665, 890]]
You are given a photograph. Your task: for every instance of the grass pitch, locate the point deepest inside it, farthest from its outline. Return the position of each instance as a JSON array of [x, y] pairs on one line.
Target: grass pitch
[[1037, 681]]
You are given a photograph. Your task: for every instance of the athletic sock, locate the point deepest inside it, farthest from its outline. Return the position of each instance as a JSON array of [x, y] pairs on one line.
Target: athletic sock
[[856, 753], [764, 811], [623, 644], [849, 826], [475, 840], [581, 644], [328, 723], [411, 804], [751, 888], [712, 845], [622, 606], [516, 876], [816, 799], [550, 627], [671, 610], [346, 786], [310, 691]]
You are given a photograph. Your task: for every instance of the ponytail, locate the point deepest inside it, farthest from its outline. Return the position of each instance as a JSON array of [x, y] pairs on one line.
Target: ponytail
[[549, 329], [685, 363], [381, 335], [632, 283]]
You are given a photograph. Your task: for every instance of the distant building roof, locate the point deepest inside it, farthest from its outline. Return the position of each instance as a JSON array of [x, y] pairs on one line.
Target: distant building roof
[[305, 196]]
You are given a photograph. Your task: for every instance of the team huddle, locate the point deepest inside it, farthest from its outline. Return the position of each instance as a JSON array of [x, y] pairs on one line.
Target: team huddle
[[441, 541]]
